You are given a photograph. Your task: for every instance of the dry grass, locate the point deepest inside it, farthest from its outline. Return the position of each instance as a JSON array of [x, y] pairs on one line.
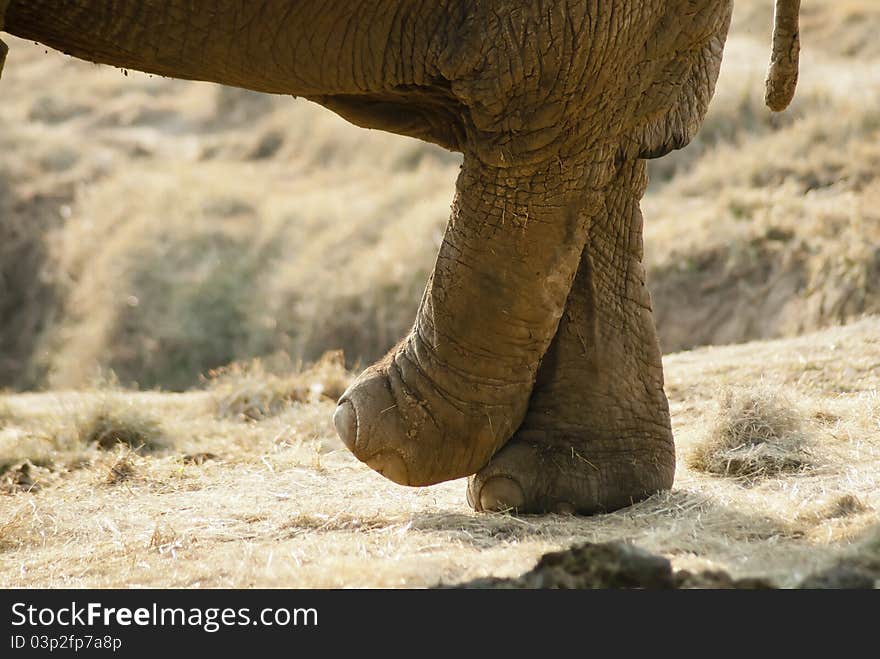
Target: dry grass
[[247, 391], [838, 27], [123, 467], [281, 503], [70, 433], [114, 422], [167, 241], [756, 433], [767, 226], [19, 478]]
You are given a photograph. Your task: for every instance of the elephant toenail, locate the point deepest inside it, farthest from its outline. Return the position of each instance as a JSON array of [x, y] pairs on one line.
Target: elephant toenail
[[501, 493], [345, 420], [391, 466], [564, 508]]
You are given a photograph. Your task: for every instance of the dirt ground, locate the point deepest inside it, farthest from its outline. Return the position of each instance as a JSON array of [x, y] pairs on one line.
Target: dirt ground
[[210, 497]]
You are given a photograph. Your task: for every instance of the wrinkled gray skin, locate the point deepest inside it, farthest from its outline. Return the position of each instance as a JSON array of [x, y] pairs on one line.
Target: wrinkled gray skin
[[533, 364]]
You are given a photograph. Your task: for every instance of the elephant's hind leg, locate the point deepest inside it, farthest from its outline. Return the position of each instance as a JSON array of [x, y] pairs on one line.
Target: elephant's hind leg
[[597, 435], [443, 402]]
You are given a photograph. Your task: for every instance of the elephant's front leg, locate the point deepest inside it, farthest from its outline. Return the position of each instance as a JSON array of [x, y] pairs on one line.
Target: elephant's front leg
[[597, 434], [443, 401]]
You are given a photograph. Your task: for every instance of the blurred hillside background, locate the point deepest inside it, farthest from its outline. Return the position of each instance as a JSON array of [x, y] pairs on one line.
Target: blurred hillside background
[[155, 229]]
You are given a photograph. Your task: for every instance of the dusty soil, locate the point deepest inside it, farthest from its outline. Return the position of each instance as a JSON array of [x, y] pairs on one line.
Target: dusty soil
[[622, 566], [614, 565]]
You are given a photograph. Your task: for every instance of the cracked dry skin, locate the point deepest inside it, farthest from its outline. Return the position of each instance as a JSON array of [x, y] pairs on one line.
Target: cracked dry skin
[[533, 361], [597, 434], [533, 205], [447, 397]]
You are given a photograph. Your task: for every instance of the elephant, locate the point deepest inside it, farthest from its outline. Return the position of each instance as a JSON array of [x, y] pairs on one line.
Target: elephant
[[533, 366]]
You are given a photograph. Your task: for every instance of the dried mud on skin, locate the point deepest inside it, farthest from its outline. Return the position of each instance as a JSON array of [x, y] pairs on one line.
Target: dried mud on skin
[[621, 565]]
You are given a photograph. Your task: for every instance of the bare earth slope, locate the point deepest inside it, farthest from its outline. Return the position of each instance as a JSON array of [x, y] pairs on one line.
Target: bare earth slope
[[213, 500]]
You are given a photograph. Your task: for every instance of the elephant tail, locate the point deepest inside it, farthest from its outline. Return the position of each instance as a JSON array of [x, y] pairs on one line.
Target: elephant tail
[[783, 75]]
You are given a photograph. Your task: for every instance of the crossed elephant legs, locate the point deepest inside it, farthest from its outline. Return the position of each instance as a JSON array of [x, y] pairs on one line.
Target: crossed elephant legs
[[595, 434]]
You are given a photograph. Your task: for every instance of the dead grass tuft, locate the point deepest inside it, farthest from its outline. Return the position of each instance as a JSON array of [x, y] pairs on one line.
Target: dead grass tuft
[[756, 433], [249, 392], [115, 421], [122, 468], [41, 442], [198, 459], [19, 478], [166, 540], [844, 506]]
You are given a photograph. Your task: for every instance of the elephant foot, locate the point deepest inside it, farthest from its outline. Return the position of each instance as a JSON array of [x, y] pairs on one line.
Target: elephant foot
[[414, 430], [574, 475], [597, 434]]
